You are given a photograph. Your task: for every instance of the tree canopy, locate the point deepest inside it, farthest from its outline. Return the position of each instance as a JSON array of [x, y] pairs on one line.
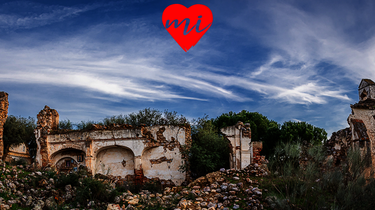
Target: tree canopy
[[270, 132], [209, 150], [18, 130], [147, 116]]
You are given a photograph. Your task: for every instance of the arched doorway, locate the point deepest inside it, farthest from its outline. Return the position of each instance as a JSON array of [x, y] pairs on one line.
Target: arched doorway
[[68, 159], [66, 164]]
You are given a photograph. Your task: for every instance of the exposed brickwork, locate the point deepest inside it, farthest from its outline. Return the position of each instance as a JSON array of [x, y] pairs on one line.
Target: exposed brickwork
[[257, 148], [160, 160], [160, 140], [3, 117]]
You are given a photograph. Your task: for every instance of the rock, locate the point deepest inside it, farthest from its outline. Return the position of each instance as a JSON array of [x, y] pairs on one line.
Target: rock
[[206, 189], [129, 207], [133, 201], [117, 199], [196, 187], [199, 199], [39, 173], [203, 204], [11, 202], [4, 207], [113, 207], [43, 183], [91, 204], [39, 205], [183, 203], [236, 178], [68, 188], [12, 185], [51, 203], [235, 206]]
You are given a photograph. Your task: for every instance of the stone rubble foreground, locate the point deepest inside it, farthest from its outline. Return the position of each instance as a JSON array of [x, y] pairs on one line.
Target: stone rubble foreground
[[224, 189]]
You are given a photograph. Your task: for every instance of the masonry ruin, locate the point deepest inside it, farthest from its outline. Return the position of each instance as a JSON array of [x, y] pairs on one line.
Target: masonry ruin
[[3, 117], [138, 153], [243, 150], [119, 150], [361, 132]]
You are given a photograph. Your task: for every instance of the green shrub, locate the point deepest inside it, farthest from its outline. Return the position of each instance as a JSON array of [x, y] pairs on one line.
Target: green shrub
[[92, 189], [66, 179], [317, 187]]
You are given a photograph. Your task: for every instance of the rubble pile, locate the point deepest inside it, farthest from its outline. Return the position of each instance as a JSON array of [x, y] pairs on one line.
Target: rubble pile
[[27, 188]]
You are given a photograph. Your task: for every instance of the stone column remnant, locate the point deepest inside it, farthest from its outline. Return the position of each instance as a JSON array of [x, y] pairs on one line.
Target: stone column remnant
[[239, 136], [3, 117], [48, 120]]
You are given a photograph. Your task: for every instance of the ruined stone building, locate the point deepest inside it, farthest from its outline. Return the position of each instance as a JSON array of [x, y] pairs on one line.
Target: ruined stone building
[[362, 126], [15, 152], [151, 152], [19, 152]]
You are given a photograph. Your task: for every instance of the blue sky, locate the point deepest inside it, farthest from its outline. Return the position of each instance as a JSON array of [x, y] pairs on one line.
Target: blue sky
[[289, 60]]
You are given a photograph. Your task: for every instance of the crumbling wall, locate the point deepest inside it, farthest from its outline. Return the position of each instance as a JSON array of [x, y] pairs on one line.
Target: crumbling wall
[[117, 161], [362, 125], [48, 120], [239, 136], [3, 117], [126, 150], [19, 152], [338, 145], [161, 157], [361, 133], [257, 147]]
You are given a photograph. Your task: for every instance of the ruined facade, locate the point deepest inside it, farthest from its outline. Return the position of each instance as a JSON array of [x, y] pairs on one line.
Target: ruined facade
[[150, 152], [361, 132], [19, 152], [242, 149], [3, 117]]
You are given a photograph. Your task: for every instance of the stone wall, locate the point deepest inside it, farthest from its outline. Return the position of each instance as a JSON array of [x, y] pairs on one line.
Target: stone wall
[[257, 147], [3, 117], [338, 145], [361, 132], [239, 136], [153, 151], [366, 90], [362, 126], [48, 120]]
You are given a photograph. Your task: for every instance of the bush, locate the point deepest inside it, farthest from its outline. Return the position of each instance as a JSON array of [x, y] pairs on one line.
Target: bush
[[66, 179], [92, 189], [318, 186], [20, 161], [209, 151]]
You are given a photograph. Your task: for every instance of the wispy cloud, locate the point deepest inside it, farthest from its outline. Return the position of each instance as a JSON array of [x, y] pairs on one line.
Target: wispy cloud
[[13, 17], [133, 59]]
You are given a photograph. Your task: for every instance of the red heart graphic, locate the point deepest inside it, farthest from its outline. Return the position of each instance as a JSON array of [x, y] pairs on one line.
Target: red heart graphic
[[187, 25]]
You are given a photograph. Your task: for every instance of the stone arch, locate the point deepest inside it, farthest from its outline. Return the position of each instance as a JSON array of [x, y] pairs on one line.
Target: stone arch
[[66, 164], [77, 155], [114, 160]]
